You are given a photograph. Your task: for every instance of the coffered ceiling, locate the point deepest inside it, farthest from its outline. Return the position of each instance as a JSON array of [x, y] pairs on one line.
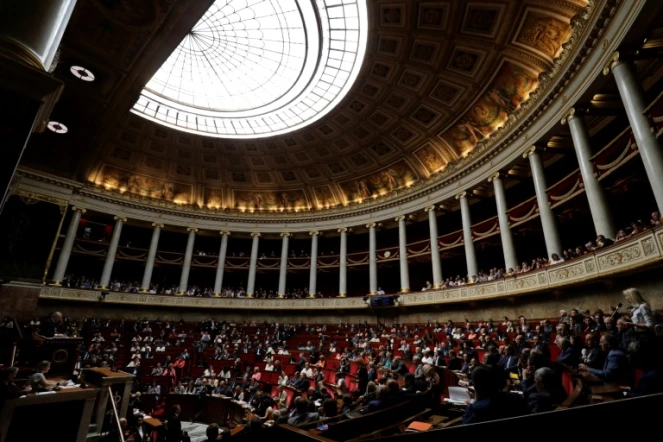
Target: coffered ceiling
[[439, 77]]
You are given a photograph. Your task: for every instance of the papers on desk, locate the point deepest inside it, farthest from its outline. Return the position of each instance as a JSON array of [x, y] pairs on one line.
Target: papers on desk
[[44, 392], [458, 396]]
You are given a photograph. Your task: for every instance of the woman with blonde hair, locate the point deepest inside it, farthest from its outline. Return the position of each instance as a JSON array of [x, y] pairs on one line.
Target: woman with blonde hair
[[641, 315]]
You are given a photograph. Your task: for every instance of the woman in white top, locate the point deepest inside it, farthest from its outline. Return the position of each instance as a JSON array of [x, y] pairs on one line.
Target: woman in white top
[[641, 315]]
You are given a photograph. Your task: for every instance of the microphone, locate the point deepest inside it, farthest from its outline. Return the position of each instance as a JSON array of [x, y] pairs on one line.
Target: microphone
[[616, 310]]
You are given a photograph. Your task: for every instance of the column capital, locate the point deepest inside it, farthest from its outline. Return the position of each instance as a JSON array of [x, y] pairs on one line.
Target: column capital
[[78, 209], [462, 194], [286, 235], [315, 233], [530, 151], [568, 115], [343, 230], [192, 229], [120, 218], [495, 176], [159, 225], [224, 232], [429, 208], [399, 218], [371, 225], [612, 63], [254, 234]]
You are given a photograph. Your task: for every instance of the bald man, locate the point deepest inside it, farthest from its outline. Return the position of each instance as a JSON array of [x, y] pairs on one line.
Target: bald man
[[49, 327]]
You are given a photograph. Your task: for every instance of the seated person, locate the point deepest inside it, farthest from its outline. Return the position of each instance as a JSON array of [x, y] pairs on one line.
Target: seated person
[[379, 402], [616, 369], [37, 382], [549, 391], [301, 414], [212, 433], [491, 403], [647, 355]]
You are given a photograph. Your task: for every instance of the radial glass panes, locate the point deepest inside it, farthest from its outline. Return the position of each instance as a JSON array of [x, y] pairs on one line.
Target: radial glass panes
[[252, 68]]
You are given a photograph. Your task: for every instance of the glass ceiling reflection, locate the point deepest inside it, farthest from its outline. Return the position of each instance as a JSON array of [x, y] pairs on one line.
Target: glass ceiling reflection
[[255, 68]]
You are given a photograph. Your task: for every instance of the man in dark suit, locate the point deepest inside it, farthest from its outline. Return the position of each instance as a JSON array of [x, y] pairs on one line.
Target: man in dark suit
[[372, 373], [593, 356], [49, 327], [378, 403], [490, 402], [139, 431], [568, 355], [455, 363], [509, 362], [174, 426], [616, 369], [549, 391]]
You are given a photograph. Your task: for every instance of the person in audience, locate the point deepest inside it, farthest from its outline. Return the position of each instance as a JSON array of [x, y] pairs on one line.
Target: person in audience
[[646, 354], [593, 356], [641, 315], [212, 433], [491, 403], [301, 414], [549, 391], [616, 368], [8, 389], [379, 402]]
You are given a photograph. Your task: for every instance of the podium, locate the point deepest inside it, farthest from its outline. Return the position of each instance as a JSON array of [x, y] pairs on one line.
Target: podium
[[113, 385], [61, 352]]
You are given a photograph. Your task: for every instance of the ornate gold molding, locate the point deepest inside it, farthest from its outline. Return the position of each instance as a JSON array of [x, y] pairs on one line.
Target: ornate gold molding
[[530, 151], [78, 209], [429, 208], [224, 232], [192, 229], [314, 233], [159, 225], [399, 218], [120, 218], [462, 194], [255, 234], [568, 115], [371, 225], [286, 235], [343, 230], [32, 198]]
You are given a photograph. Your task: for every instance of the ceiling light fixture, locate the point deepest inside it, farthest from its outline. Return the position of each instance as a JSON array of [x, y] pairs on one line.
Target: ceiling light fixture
[[82, 73], [57, 127]]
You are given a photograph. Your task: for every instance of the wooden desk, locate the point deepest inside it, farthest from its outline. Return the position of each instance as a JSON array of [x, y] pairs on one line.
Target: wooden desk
[[119, 381], [51, 415]]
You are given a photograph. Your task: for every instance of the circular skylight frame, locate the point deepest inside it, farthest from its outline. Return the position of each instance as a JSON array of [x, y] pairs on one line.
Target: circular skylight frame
[[335, 48]]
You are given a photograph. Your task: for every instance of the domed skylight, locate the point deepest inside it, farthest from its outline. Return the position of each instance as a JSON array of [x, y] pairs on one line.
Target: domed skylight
[[256, 68]]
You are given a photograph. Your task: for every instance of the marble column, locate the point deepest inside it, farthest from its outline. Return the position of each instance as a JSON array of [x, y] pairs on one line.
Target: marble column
[[343, 264], [283, 270], [151, 256], [188, 255], [65, 252], [550, 233], [402, 253], [632, 96], [253, 266], [508, 248], [598, 204], [31, 30], [470, 252], [221, 264], [112, 251], [435, 260], [313, 275], [372, 260]]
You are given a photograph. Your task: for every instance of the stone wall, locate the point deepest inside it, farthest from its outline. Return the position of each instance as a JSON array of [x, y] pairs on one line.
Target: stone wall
[[19, 300], [540, 305]]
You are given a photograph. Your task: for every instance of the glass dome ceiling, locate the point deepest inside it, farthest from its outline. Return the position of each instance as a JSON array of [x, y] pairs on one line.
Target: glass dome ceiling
[[257, 68]]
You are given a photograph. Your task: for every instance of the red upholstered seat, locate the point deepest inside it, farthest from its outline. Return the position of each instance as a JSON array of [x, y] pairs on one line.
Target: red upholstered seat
[[567, 382]]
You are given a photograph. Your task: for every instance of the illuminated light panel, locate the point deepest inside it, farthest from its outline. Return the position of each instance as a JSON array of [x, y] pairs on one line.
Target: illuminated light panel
[[257, 68], [57, 127], [82, 73]]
